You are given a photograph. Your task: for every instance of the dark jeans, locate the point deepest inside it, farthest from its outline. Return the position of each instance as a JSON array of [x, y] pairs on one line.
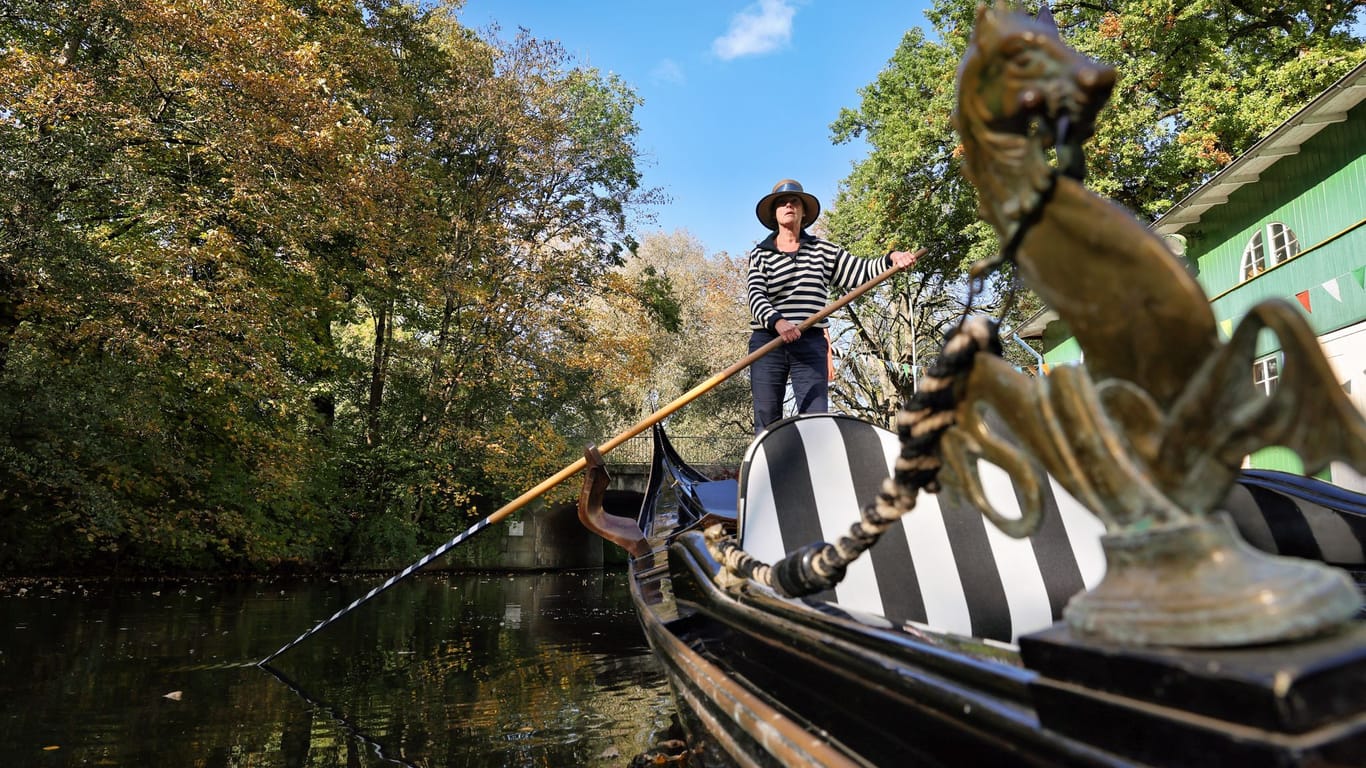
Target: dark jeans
[[804, 360]]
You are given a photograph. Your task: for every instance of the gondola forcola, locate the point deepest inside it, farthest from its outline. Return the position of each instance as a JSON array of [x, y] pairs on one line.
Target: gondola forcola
[[1081, 589], [578, 465]]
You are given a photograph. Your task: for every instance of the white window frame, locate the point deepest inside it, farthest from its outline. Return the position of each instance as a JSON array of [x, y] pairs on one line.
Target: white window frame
[[1254, 256], [1270, 245], [1266, 373], [1284, 244]]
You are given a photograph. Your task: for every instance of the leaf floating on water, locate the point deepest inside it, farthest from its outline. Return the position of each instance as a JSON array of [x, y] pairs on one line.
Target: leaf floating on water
[[50, 748], [173, 696]]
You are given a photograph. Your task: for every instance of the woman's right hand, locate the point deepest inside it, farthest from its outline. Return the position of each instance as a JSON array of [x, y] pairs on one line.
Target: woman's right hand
[[787, 330]]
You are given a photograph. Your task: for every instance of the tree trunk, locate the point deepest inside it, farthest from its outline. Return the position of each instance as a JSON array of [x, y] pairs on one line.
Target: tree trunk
[[379, 364], [9, 323]]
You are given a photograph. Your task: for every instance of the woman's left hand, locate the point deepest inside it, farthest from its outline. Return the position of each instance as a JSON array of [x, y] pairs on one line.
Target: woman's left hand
[[902, 259]]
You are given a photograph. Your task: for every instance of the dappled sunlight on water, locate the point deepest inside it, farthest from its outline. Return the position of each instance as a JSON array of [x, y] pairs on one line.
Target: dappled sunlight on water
[[442, 670]]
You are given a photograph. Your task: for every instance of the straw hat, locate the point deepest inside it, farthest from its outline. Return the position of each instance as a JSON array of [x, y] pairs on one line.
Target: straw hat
[[811, 207]]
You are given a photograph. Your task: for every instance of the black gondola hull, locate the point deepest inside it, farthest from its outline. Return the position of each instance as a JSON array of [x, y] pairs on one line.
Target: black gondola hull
[[765, 680]]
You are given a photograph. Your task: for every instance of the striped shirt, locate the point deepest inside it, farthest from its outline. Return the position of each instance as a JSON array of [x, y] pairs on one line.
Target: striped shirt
[[797, 285]]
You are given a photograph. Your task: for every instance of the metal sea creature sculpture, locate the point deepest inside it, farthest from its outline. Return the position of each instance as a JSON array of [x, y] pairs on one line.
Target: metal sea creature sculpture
[[1151, 432]]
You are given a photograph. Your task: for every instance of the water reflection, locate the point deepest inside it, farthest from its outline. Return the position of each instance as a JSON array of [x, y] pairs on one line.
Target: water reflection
[[442, 670]]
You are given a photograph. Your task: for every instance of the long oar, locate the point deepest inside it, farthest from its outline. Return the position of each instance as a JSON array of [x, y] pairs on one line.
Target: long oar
[[579, 464]]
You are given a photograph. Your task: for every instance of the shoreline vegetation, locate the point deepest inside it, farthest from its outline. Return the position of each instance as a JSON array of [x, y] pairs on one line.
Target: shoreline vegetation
[[26, 585], [278, 285]]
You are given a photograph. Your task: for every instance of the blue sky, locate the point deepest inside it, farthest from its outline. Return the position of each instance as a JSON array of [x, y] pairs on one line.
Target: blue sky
[[737, 95]]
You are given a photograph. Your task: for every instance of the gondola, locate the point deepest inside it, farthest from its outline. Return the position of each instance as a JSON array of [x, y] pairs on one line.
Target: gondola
[[761, 679], [1068, 570]]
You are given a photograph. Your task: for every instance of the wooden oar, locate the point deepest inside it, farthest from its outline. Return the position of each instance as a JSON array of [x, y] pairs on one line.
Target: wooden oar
[[605, 448]]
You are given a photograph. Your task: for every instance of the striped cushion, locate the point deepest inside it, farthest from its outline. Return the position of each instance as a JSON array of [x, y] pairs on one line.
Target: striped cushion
[[943, 565], [1300, 516]]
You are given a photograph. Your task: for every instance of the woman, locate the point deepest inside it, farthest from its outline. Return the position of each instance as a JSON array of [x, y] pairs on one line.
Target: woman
[[790, 276]]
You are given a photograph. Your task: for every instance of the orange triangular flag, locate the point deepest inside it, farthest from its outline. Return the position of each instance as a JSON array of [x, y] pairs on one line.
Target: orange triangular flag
[[1303, 296]]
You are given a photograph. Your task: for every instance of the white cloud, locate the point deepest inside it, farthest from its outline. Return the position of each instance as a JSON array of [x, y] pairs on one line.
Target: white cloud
[[758, 29], [668, 71]]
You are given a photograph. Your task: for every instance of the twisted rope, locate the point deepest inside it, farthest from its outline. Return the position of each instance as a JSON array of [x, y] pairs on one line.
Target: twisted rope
[[931, 411]]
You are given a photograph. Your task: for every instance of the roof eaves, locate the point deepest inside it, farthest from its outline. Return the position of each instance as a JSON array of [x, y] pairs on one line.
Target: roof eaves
[[1327, 108]]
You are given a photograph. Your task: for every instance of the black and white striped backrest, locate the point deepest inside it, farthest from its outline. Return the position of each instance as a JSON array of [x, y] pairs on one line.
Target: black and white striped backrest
[[1300, 516], [943, 565]]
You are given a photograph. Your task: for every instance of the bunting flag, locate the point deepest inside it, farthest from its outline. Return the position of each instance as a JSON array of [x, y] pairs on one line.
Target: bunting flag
[[1360, 274], [1303, 296], [1227, 327], [1331, 286]]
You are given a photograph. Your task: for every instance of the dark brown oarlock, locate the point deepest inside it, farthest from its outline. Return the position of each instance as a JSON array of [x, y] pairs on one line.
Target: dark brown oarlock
[[619, 530]]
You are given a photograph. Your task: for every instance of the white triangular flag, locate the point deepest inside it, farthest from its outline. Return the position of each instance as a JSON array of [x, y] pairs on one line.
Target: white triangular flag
[[1332, 287]]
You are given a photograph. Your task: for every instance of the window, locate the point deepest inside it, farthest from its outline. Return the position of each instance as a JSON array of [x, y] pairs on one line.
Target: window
[[1265, 373], [1284, 246], [1254, 257]]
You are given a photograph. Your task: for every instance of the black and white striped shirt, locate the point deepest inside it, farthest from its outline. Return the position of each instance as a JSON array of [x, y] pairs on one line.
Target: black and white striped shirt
[[797, 285]]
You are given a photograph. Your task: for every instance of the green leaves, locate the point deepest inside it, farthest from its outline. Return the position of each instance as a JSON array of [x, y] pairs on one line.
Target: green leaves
[[658, 298], [1199, 83], [274, 277]]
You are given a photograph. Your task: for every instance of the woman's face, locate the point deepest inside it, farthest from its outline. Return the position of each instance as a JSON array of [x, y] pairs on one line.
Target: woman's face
[[788, 210]]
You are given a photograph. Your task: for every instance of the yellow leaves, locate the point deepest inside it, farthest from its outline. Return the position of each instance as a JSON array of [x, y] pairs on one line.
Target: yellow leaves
[[306, 55], [37, 87], [1111, 26]]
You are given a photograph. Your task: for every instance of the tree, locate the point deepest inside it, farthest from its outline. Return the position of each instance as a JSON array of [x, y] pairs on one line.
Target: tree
[[169, 165], [279, 277], [1198, 84], [687, 315], [477, 344], [883, 344]]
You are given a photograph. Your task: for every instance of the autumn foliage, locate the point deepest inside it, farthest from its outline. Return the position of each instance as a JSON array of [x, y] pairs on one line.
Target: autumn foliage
[[292, 281]]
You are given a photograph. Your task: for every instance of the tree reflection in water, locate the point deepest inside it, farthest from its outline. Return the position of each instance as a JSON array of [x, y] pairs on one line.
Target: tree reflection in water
[[443, 670]]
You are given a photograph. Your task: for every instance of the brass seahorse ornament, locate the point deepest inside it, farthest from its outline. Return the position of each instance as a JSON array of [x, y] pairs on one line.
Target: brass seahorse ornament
[[1150, 433]]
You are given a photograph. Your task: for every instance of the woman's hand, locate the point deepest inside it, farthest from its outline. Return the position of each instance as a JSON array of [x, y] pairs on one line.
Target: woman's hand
[[903, 259], [787, 330]]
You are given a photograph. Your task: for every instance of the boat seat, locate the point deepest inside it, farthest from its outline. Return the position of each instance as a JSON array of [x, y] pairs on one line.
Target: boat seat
[[946, 567], [943, 565], [1299, 516]]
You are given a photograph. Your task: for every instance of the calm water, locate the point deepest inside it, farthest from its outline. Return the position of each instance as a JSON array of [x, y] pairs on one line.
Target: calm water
[[442, 670]]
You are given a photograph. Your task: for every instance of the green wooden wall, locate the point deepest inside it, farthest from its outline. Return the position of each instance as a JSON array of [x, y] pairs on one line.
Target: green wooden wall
[[1320, 193]]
